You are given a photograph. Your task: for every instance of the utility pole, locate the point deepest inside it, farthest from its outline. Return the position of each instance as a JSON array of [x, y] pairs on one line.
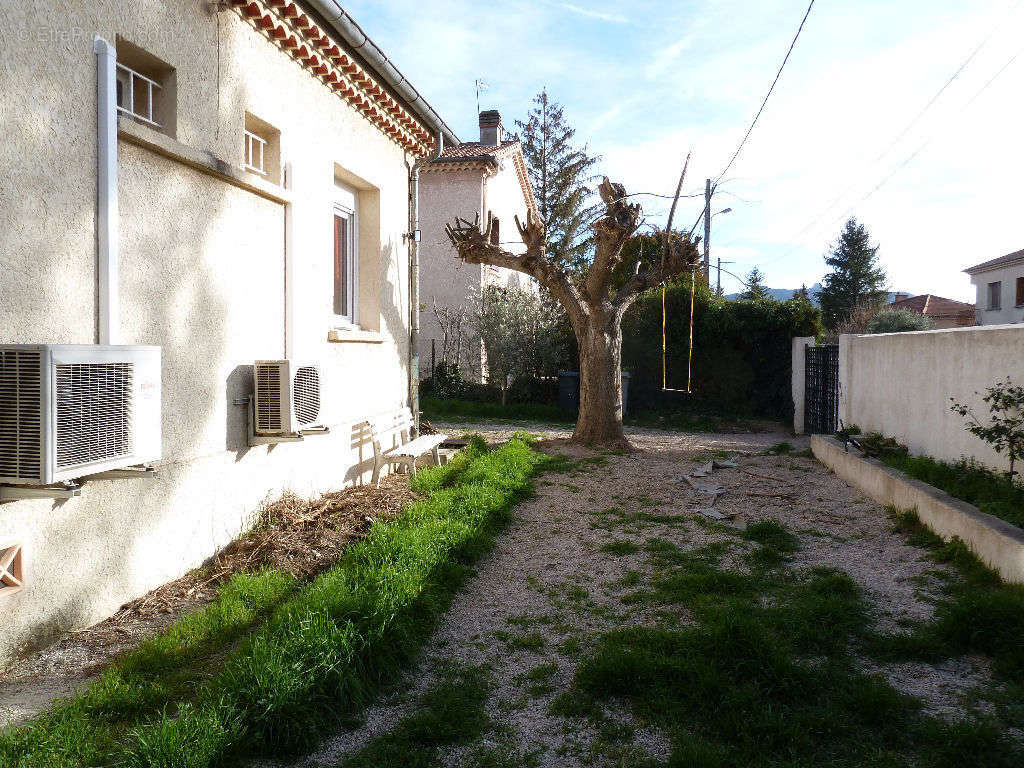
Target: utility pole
[[718, 289], [707, 233]]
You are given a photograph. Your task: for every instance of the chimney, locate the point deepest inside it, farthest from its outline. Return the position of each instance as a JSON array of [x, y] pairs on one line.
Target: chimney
[[491, 131], [900, 297]]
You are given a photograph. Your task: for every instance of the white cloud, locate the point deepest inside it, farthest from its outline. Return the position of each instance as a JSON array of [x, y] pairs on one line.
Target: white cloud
[[664, 58], [614, 18]]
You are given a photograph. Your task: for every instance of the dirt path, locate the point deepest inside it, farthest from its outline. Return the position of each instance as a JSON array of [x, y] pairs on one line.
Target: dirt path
[[563, 573]]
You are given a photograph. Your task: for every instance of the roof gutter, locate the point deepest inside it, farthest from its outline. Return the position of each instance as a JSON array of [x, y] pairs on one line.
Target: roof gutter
[[360, 42]]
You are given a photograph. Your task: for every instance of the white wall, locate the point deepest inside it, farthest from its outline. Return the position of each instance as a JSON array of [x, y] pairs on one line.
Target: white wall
[[900, 384], [1009, 311], [202, 276]]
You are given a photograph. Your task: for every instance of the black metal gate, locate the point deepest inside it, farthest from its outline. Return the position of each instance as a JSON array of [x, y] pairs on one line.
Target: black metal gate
[[821, 389]]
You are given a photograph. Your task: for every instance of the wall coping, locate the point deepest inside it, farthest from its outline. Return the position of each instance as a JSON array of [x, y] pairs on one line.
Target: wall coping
[[998, 543]]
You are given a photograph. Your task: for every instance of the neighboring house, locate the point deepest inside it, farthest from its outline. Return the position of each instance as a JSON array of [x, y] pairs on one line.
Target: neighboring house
[[1000, 285], [473, 179], [945, 313], [248, 199]]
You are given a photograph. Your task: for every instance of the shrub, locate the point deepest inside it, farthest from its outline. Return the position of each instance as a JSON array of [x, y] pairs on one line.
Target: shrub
[[899, 321], [742, 352]]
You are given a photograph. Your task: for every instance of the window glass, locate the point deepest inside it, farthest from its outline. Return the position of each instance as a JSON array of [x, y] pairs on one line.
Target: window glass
[[344, 264]]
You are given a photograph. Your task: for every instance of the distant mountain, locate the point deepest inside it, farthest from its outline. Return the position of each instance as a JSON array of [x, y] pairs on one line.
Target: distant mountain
[[784, 294]]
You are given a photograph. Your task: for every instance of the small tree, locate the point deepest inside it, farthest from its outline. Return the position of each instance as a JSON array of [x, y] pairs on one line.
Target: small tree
[[502, 322], [1004, 430], [856, 279], [802, 294], [899, 321], [756, 290], [561, 176]]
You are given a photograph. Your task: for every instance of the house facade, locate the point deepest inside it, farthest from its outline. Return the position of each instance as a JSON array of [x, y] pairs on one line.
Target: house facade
[[229, 183], [484, 178], [1000, 289], [944, 313]]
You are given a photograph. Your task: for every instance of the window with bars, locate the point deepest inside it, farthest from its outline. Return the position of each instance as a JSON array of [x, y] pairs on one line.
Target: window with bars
[[261, 148], [146, 88]]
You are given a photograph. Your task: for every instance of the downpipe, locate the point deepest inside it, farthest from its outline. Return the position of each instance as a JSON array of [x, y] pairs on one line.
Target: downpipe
[[107, 216]]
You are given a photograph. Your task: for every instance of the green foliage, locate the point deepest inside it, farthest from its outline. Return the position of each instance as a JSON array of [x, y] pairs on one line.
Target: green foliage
[[451, 712], [1004, 430], [767, 674], [462, 410], [322, 653], [899, 321], [742, 352], [560, 173], [856, 279], [755, 289]]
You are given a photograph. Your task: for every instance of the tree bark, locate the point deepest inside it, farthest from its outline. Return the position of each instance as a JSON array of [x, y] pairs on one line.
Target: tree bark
[[600, 418]]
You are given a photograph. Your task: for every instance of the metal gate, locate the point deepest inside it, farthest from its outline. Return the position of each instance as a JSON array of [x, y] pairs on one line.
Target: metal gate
[[821, 389]]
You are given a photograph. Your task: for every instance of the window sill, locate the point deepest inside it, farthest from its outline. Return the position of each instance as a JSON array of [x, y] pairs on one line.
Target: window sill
[[354, 336]]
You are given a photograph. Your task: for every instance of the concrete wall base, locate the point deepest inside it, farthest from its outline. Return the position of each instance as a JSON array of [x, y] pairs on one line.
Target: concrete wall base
[[996, 542]]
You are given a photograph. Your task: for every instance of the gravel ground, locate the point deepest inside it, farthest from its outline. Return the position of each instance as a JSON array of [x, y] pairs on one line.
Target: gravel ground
[[548, 589]]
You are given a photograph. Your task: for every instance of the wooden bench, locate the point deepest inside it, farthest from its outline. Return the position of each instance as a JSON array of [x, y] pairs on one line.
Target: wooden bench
[[395, 429]]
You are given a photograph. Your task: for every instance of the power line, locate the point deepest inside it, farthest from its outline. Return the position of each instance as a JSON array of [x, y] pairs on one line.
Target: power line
[[906, 129], [767, 96]]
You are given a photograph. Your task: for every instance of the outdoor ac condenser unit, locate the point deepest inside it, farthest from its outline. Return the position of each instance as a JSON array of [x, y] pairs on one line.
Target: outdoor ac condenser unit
[[68, 411], [287, 398]]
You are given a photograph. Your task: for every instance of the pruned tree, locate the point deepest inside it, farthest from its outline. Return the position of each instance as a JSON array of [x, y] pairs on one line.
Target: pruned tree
[[594, 306]]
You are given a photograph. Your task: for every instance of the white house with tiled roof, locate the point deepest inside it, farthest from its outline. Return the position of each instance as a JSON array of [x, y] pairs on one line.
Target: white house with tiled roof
[[227, 182], [1000, 286], [472, 179]]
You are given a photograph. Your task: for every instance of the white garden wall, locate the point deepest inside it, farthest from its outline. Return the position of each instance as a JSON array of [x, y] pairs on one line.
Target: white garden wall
[[900, 384]]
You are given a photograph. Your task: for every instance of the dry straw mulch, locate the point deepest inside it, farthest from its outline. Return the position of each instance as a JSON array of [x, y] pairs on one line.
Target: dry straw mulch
[[299, 536]]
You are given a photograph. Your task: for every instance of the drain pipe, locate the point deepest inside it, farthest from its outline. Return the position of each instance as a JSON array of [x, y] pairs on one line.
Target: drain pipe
[[107, 256], [414, 286]]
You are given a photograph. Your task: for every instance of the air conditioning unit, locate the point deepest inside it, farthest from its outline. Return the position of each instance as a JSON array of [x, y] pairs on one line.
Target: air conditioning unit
[[287, 397], [68, 411]]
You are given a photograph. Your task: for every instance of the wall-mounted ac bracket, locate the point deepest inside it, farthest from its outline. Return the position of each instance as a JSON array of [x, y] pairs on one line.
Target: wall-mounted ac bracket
[[297, 437], [61, 492], [127, 473]]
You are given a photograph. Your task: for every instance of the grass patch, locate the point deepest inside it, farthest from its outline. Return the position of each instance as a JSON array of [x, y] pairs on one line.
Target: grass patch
[[980, 613], [269, 664], [451, 712], [767, 675], [620, 548], [435, 408]]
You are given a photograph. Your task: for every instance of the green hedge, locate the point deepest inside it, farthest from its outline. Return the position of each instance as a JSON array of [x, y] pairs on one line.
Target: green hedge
[[742, 352], [325, 649]]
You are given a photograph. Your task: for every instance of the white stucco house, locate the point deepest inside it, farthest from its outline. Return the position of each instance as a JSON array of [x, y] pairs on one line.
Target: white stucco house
[[221, 184], [484, 178], [1000, 287]]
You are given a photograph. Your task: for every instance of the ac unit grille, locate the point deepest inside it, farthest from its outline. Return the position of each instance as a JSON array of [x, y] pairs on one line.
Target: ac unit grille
[[268, 398], [20, 413], [306, 394], [94, 412]]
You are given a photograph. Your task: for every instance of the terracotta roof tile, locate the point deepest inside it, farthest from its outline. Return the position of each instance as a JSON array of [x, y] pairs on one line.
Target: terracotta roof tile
[[474, 150], [933, 306]]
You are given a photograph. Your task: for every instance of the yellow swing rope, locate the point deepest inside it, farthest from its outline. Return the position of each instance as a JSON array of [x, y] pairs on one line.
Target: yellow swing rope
[[664, 341]]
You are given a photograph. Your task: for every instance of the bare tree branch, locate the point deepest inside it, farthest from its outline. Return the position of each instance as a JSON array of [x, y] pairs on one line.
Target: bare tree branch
[[672, 210], [620, 222]]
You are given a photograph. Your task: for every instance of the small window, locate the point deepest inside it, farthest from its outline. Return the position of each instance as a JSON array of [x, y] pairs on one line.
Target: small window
[[495, 231], [146, 88], [345, 248], [995, 291], [261, 148], [1020, 291]]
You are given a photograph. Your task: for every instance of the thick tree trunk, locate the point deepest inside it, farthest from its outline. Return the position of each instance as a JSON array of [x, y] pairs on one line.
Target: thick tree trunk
[[600, 419]]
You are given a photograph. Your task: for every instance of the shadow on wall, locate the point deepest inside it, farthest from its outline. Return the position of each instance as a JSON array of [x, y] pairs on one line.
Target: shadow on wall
[[239, 386]]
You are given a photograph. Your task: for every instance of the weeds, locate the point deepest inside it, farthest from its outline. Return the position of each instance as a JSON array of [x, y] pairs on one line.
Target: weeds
[[323, 651]]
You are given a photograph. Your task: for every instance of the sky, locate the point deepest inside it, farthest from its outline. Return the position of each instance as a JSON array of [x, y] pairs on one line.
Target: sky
[[853, 127]]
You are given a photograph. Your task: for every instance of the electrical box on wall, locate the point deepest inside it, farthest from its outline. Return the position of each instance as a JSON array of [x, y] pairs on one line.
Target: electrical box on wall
[[70, 411]]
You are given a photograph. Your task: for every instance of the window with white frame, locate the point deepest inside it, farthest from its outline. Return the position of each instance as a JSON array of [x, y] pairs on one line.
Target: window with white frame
[[346, 262], [261, 148], [255, 154], [146, 88]]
